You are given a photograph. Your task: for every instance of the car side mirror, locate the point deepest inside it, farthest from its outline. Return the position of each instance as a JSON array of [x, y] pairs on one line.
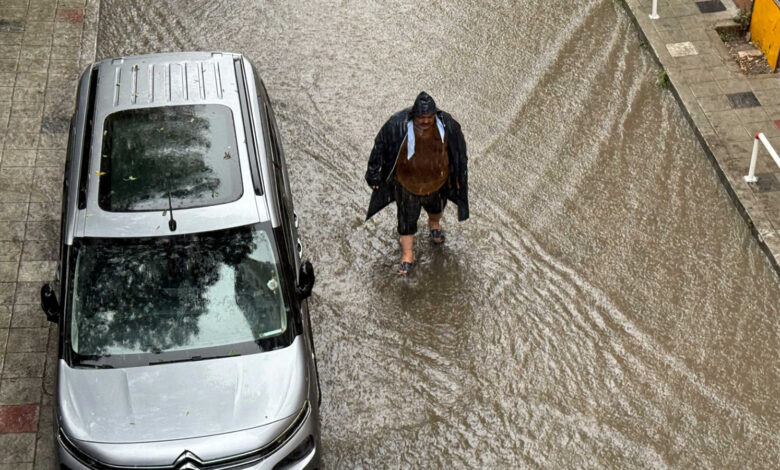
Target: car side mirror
[[305, 281], [49, 304]]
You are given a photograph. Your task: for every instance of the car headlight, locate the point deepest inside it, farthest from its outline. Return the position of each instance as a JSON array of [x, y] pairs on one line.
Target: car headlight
[[297, 454]]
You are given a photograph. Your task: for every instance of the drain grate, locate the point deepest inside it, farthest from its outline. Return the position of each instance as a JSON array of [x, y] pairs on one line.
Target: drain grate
[[711, 6]]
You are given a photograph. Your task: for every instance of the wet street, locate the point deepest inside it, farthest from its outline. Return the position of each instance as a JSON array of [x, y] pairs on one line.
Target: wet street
[[605, 306]]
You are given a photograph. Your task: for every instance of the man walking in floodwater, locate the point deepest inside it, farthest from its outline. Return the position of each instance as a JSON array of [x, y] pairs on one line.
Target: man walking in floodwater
[[419, 161]]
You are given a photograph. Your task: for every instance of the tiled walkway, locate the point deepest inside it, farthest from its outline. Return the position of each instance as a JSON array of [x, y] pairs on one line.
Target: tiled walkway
[[44, 45], [726, 107]]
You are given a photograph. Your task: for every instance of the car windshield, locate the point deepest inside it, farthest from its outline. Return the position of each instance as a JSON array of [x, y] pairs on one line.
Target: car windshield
[[176, 298], [188, 152]]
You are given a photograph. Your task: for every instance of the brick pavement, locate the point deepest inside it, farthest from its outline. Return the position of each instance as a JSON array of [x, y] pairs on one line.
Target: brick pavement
[[725, 107], [44, 45]]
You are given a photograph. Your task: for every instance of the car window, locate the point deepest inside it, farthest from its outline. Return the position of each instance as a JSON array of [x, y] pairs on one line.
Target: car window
[[186, 152], [218, 291]]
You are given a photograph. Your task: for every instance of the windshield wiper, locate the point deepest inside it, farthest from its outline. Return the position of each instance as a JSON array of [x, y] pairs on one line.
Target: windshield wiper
[[192, 359], [95, 365]]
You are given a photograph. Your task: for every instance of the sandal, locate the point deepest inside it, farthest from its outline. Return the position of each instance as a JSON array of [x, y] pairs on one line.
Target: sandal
[[405, 268], [436, 234]]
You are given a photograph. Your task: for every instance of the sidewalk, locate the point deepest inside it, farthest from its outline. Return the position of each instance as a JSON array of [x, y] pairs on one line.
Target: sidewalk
[[44, 46], [725, 107]]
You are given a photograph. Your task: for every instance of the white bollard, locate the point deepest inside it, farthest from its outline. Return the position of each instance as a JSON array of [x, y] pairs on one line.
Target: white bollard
[[751, 176], [654, 14]]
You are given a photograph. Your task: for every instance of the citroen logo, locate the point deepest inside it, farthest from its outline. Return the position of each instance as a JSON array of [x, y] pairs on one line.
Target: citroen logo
[[188, 461]]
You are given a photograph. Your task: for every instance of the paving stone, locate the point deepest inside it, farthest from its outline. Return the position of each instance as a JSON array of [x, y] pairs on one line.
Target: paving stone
[[5, 316], [767, 182], [28, 293], [714, 103], [47, 185], [28, 94], [18, 466], [8, 271], [42, 271], [10, 251], [710, 6], [50, 157], [31, 80], [20, 391], [6, 92], [54, 141], [21, 365], [18, 418], [734, 86], [65, 54], [21, 140], [743, 100], [13, 157], [43, 230], [681, 49], [40, 211], [768, 97], [706, 89], [37, 13], [751, 115], [27, 340], [12, 38], [7, 291], [3, 338], [16, 211], [17, 448], [44, 250], [29, 315], [44, 451]]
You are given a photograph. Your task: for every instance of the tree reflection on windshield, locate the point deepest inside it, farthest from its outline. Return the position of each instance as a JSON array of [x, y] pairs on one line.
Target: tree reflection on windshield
[[175, 293]]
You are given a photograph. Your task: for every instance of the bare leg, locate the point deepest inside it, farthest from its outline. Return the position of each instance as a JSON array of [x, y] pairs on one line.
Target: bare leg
[[406, 249], [434, 223]]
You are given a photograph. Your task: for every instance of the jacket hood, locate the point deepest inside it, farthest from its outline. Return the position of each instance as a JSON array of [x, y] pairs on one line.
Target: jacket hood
[[424, 104]]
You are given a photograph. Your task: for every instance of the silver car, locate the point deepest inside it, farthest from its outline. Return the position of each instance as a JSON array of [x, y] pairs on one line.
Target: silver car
[[184, 334]]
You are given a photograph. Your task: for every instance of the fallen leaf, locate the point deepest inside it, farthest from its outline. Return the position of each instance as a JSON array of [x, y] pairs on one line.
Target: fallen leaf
[[130, 178], [100, 173], [227, 155], [187, 414], [165, 212]]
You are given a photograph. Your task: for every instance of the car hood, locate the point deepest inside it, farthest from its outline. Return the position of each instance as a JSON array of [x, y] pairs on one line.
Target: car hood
[[182, 400]]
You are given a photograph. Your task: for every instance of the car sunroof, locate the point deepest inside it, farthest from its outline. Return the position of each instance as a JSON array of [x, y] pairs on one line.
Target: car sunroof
[[187, 154]]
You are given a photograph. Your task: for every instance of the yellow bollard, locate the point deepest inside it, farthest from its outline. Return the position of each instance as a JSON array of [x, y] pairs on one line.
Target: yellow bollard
[[765, 29]]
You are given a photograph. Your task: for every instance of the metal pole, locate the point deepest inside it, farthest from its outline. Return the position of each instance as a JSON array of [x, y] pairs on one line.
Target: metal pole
[[751, 176], [654, 14]]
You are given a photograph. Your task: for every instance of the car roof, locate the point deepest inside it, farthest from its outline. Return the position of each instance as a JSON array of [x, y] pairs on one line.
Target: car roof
[[157, 80]]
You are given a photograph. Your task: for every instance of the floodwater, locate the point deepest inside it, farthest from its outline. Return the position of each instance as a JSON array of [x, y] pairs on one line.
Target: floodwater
[[604, 307]]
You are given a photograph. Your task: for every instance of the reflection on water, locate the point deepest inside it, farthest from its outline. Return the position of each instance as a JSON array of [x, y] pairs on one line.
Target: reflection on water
[[605, 306]]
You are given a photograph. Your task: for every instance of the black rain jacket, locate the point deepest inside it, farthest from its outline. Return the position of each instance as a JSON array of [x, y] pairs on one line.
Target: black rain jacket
[[384, 155]]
